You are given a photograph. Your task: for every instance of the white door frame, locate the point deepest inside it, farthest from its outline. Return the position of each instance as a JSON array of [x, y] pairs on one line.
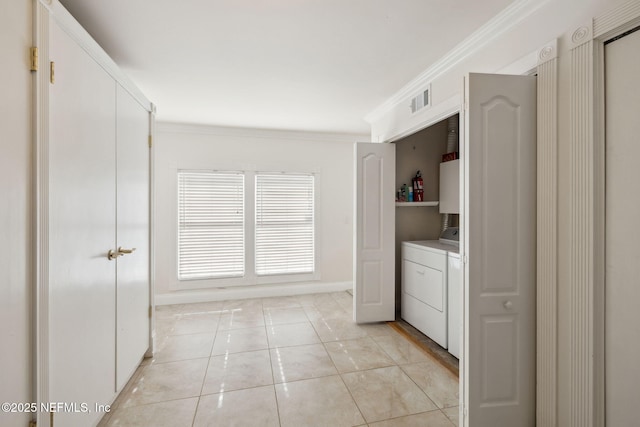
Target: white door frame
[[587, 212]]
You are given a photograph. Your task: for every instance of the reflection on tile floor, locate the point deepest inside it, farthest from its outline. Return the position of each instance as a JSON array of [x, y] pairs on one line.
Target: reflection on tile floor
[[291, 361]]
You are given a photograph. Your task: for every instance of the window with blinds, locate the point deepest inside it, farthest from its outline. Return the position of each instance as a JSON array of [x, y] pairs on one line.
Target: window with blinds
[[210, 224], [284, 224]]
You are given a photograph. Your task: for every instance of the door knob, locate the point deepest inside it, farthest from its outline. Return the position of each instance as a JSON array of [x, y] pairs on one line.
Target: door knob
[[111, 255], [508, 305], [123, 251]]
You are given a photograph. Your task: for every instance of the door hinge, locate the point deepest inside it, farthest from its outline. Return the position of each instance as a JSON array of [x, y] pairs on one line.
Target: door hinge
[[33, 423], [150, 312], [34, 59], [150, 141], [52, 69]]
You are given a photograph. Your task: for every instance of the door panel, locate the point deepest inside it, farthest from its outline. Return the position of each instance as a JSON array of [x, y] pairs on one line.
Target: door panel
[[499, 376], [82, 230], [132, 232], [374, 246], [500, 235], [622, 290]]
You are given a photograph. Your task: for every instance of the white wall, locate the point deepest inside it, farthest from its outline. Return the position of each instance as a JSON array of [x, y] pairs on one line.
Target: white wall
[[202, 147], [555, 19], [15, 209]]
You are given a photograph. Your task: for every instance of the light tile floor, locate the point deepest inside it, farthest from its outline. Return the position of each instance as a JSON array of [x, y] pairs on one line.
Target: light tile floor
[[290, 361]]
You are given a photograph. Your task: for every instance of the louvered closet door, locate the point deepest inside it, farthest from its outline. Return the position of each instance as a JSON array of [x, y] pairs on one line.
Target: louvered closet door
[[82, 229]]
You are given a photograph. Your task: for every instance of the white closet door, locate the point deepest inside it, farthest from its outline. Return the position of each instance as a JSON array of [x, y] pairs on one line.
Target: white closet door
[[374, 246], [133, 232], [82, 230], [500, 245], [622, 283]]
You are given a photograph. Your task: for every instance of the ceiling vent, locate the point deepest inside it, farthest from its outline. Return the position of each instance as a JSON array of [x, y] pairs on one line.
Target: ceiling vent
[[423, 99]]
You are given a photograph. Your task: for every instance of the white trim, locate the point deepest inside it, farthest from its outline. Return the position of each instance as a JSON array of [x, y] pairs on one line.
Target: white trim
[[152, 234], [41, 217], [547, 240], [93, 49], [182, 128], [497, 26], [279, 290], [582, 280]]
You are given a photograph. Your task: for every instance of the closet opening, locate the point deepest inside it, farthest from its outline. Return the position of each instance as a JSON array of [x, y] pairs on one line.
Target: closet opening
[[428, 276]]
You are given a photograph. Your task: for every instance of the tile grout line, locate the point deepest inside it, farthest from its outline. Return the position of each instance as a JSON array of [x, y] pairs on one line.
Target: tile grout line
[[206, 372], [273, 378], [355, 402], [195, 413]]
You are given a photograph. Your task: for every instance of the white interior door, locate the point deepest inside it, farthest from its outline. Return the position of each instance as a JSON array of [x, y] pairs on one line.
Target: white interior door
[[500, 246], [622, 290], [132, 339], [374, 246], [82, 229]]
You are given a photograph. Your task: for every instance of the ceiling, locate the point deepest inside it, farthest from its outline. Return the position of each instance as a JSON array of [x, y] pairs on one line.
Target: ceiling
[[315, 65]]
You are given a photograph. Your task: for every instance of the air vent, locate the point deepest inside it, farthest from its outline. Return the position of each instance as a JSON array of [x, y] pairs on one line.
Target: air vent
[[423, 99]]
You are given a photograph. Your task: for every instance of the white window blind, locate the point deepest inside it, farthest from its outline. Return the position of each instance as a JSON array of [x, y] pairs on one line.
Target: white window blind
[[210, 224], [284, 228]]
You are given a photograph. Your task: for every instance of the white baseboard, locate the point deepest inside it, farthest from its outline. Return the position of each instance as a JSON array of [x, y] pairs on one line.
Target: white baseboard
[[257, 291]]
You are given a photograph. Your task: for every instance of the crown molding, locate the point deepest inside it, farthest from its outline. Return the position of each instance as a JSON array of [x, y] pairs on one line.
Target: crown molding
[[203, 129], [498, 25]]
